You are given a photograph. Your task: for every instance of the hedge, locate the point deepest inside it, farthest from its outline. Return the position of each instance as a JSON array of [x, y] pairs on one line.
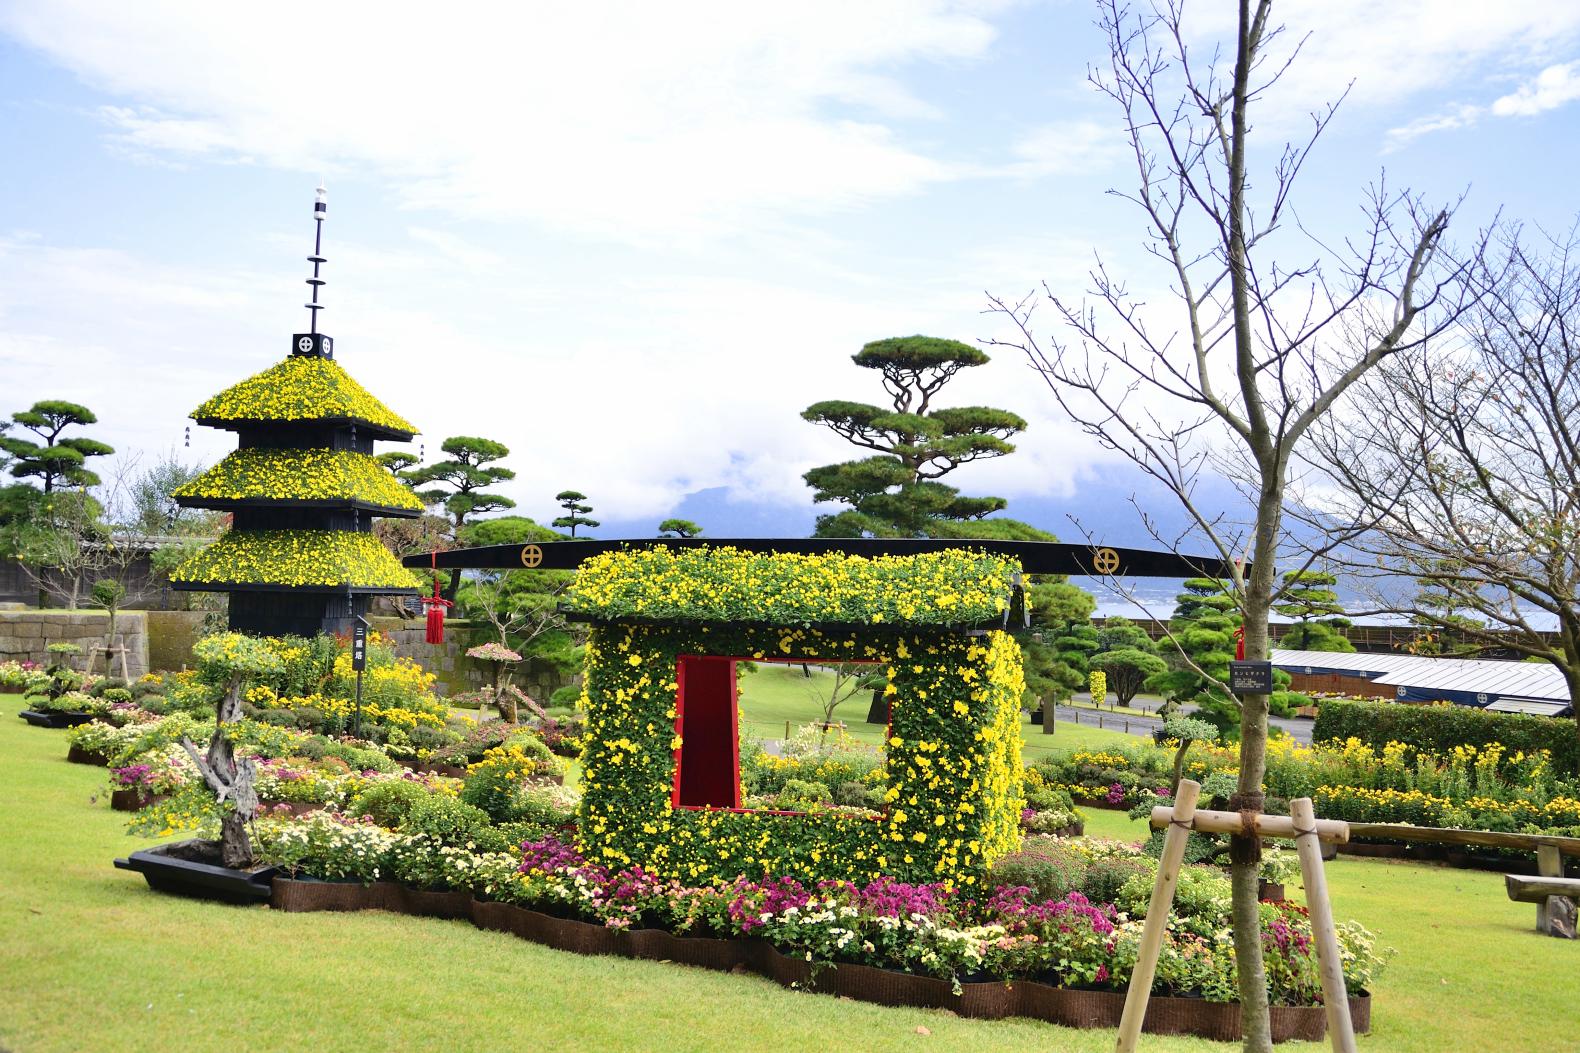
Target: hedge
[[1441, 728]]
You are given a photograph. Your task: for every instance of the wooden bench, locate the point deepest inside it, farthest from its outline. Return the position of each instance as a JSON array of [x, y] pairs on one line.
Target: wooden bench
[[1557, 898]]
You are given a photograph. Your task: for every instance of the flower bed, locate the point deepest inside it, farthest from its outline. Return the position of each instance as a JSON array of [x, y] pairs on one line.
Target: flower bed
[[1470, 787], [978, 999]]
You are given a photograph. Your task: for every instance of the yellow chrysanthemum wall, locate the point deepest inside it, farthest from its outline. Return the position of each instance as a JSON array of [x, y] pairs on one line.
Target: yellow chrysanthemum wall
[[300, 475], [954, 769], [299, 558], [301, 388]]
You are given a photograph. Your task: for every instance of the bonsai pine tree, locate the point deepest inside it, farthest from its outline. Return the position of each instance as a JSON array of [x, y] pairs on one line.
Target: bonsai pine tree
[[398, 462], [575, 511], [228, 663], [54, 460], [895, 492], [1309, 599], [1128, 657], [460, 484], [1203, 625], [678, 528]]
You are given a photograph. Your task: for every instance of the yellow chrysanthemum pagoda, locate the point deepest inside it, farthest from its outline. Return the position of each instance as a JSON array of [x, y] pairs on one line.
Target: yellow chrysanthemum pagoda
[[302, 489]]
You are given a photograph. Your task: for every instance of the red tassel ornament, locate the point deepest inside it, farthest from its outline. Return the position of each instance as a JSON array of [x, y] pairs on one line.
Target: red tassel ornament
[[434, 607]]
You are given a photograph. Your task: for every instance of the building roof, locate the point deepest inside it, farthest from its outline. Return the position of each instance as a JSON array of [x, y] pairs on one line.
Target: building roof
[[1352, 663], [1532, 706], [1525, 681]]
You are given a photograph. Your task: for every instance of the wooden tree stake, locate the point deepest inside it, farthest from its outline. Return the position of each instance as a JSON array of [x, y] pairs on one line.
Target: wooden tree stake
[[1157, 916], [1341, 1032]]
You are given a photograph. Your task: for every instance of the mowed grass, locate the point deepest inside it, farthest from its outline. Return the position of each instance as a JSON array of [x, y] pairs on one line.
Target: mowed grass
[[778, 693], [91, 960]]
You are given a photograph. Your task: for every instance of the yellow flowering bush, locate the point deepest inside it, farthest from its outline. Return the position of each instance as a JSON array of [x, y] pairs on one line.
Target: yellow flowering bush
[[954, 774], [300, 388], [1098, 684], [300, 475], [955, 587], [313, 558]]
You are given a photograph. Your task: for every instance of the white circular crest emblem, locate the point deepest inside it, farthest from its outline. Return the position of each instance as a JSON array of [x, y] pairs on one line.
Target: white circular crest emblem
[[305, 344]]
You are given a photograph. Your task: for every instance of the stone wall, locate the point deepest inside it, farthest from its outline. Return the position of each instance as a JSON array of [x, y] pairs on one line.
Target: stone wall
[[458, 673], [171, 635], [26, 635]]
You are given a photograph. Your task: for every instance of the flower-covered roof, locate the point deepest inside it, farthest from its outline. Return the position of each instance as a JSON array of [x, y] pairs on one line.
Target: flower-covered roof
[[339, 477], [301, 388], [954, 587], [302, 559]]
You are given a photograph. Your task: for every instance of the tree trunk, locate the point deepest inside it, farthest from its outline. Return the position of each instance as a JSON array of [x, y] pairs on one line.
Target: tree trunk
[[230, 779], [1245, 852]]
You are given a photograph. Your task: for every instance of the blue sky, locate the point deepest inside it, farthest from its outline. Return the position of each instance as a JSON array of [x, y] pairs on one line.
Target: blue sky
[[634, 241]]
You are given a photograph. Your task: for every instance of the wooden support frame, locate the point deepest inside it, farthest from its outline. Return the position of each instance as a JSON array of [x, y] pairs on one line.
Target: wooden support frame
[[1301, 826]]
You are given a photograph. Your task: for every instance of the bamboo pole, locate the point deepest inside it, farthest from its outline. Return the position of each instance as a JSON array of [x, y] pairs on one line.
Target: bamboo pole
[[1265, 825], [1341, 1033], [1157, 916]]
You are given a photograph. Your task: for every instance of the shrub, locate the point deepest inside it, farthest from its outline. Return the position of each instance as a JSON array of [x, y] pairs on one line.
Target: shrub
[[1049, 869], [1105, 877], [445, 819], [1439, 729], [388, 801]]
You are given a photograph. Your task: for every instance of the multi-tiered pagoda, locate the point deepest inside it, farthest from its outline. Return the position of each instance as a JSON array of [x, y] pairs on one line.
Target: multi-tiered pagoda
[[303, 490]]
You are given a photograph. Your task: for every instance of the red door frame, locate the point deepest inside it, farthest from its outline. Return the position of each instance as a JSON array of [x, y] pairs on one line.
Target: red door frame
[[735, 732]]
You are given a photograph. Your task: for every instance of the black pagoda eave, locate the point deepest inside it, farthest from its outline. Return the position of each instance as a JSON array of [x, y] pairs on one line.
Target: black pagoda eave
[[226, 504], [311, 590], [1035, 557], [368, 428]]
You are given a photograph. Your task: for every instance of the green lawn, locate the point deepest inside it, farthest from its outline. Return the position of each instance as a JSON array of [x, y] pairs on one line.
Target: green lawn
[[90, 959], [777, 693]]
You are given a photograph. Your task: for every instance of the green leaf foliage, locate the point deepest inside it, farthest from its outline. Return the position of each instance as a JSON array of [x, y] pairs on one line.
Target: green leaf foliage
[[53, 460]]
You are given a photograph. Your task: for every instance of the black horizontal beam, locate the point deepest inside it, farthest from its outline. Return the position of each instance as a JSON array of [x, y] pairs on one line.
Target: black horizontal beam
[[1035, 557]]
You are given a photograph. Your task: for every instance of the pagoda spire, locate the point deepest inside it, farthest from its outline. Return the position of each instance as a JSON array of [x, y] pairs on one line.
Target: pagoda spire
[[313, 343]]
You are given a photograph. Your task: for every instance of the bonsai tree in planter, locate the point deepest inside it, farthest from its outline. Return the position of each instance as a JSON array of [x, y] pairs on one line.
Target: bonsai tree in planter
[[229, 662], [63, 679], [505, 699]]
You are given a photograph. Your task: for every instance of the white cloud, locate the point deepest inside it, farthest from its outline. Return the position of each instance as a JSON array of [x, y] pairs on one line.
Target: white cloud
[[1066, 147], [633, 120], [1555, 86], [1552, 88]]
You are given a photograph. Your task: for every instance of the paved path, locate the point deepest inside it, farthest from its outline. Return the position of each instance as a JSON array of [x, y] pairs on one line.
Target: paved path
[[1297, 728]]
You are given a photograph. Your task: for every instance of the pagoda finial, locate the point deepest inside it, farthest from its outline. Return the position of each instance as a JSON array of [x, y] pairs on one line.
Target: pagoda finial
[[313, 343]]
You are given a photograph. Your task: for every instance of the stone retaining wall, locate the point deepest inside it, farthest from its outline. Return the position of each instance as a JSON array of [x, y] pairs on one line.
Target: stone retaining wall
[[26, 635]]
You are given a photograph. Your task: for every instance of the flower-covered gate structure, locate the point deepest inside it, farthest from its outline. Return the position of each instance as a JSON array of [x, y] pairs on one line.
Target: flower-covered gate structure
[[669, 617]]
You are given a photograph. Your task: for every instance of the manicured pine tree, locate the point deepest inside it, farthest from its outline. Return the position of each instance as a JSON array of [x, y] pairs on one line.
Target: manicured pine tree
[[575, 511], [1309, 598], [678, 528], [54, 460], [896, 492], [459, 484]]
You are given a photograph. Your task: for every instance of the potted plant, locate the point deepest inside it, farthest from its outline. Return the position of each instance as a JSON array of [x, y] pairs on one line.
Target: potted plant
[[221, 868], [58, 702]]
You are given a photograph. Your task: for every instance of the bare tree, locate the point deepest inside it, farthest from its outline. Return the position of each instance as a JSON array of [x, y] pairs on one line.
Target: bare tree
[[848, 678], [1466, 457], [1258, 350]]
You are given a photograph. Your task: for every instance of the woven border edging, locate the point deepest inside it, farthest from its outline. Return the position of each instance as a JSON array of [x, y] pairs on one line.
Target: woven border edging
[[988, 1001]]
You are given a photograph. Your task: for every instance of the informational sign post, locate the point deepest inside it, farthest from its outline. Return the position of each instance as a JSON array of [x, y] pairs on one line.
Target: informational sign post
[[359, 662], [1251, 678]]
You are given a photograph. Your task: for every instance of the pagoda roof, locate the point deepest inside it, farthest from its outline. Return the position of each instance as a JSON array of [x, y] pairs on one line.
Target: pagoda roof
[[299, 560], [299, 478], [302, 389]]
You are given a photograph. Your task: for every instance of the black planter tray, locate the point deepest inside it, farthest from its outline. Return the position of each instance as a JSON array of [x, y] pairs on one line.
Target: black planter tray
[[53, 718], [168, 872]]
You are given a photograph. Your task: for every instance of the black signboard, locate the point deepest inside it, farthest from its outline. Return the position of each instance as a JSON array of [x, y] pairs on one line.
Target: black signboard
[[359, 648], [1251, 678]]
